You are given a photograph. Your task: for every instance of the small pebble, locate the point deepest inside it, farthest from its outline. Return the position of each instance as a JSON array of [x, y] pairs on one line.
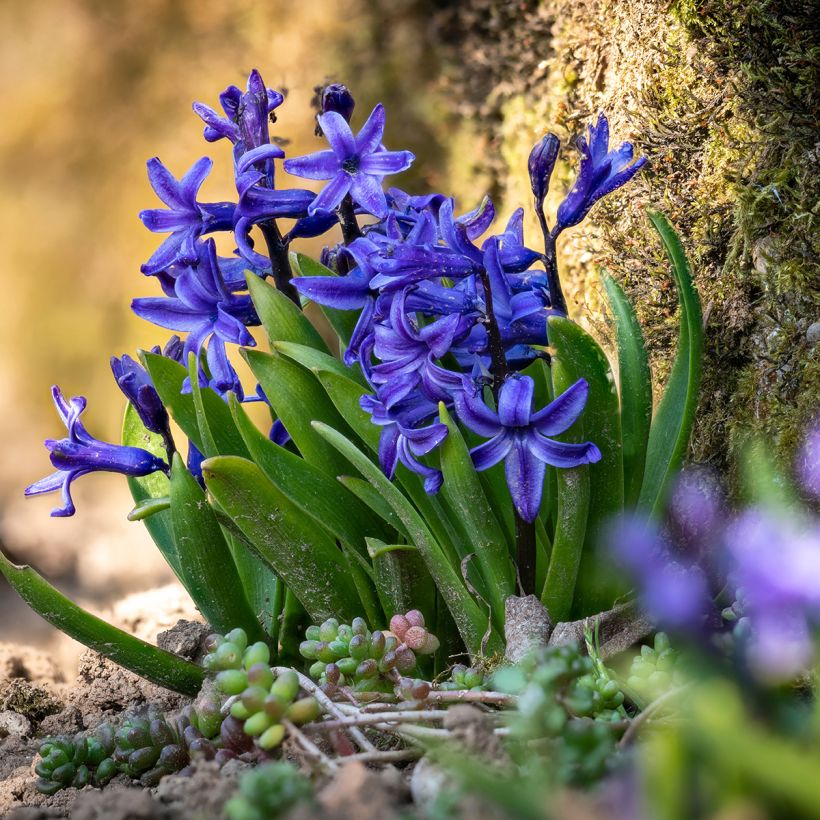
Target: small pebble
[[813, 333]]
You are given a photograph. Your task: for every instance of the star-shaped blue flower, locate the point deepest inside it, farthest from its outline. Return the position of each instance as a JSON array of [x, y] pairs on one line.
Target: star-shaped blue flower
[[354, 165], [520, 437], [81, 453]]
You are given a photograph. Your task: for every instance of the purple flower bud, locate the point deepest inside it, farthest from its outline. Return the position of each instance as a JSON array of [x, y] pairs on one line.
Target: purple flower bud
[[540, 165], [808, 462], [337, 97]]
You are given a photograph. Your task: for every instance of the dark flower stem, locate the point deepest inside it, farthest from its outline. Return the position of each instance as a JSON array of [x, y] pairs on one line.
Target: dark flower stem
[[279, 260], [556, 293], [525, 554], [524, 530], [347, 216]]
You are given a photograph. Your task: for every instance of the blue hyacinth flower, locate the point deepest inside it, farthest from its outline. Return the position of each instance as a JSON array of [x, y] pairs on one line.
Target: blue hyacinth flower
[[81, 453]]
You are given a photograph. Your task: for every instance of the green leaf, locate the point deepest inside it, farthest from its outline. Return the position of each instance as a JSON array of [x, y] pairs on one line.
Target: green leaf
[[342, 321], [148, 489], [402, 579], [471, 621], [313, 491], [167, 377], [579, 356], [675, 415], [465, 495], [216, 426], [298, 549], [208, 570], [298, 399], [150, 662], [282, 320], [371, 497], [635, 389], [148, 507], [316, 362], [573, 507], [345, 394]]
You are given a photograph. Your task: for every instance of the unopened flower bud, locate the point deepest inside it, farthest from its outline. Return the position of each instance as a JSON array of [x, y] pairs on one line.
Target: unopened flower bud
[[541, 164], [336, 97]]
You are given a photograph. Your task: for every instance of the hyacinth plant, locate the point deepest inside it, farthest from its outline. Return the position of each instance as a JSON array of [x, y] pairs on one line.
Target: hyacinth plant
[[442, 435]]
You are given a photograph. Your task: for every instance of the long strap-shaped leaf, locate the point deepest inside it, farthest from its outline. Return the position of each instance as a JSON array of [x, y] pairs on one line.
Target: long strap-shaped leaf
[[464, 492], [471, 621], [148, 661], [675, 415], [571, 526], [299, 550], [210, 574], [282, 320], [578, 356], [635, 389], [152, 486]]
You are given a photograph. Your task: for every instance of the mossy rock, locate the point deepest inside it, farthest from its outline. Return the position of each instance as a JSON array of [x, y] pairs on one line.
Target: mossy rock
[[723, 98]]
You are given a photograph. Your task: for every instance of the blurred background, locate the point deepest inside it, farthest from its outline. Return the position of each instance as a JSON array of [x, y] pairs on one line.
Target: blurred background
[[91, 90]]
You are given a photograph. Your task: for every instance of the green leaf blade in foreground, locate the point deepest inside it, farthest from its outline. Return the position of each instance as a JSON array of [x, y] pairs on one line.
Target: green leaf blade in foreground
[[674, 418], [464, 493], [472, 623], [282, 320], [167, 377], [571, 525], [144, 489], [208, 569], [300, 551], [578, 356], [150, 662], [635, 389]]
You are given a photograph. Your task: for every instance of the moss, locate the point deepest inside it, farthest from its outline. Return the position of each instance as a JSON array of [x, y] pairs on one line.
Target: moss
[[34, 702], [723, 97]]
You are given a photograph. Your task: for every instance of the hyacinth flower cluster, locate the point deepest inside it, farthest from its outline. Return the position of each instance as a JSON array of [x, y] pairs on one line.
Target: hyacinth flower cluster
[[753, 572], [441, 434]]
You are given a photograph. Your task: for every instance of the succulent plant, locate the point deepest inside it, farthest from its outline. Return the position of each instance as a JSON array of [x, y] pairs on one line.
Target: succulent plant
[[656, 670], [464, 677], [352, 655], [147, 748], [267, 701], [76, 761], [268, 792]]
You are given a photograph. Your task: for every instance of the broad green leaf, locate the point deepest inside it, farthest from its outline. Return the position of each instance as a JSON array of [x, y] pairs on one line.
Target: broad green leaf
[[635, 389], [168, 377], [150, 488], [313, 491], [342, 321], [371, 497], [675, 415], [216, 426], [316, 361], [150, 662], [471, 621], [298, 399], [579, 356], [464, 493], [402, 579], [345, 394], [571, 526], [300, 551], [208, 570], [282, 320]]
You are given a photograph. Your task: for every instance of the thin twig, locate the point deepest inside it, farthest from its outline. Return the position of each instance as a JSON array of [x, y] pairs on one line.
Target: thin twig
[[309, 747], [647, 713], [372, 718], [329, 706], [391, 756]]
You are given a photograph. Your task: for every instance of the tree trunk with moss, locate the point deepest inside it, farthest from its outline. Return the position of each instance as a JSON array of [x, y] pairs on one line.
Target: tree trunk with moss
[[722, 97]]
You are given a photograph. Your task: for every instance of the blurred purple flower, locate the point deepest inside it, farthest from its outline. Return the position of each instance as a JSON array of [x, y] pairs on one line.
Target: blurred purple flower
[[776, 564], [354, 165], [808, 461], [675, 595], [81, 453]]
